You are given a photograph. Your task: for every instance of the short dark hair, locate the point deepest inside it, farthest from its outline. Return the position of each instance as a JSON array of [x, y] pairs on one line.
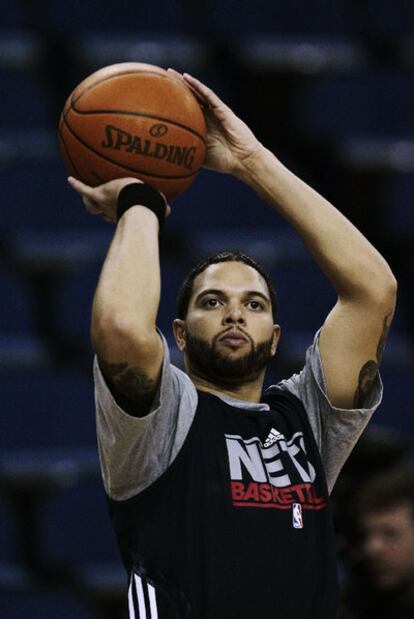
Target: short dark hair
[[386, 490], [228, 255]]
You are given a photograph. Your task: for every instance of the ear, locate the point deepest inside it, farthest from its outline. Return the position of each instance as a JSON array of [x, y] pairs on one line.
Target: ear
[[179, 333], [276, 338]]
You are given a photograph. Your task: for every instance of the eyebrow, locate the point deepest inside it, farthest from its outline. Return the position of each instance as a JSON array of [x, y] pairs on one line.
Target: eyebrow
[[221, 293]]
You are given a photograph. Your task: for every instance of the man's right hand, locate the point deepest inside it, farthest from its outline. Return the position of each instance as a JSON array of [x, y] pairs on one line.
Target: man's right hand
[[231, 145]]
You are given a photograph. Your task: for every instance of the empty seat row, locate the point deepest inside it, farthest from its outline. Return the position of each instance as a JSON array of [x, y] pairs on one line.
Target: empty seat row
[[216, 16]]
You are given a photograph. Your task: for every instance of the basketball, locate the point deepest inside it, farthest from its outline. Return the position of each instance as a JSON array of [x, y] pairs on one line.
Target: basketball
[[133, 119]]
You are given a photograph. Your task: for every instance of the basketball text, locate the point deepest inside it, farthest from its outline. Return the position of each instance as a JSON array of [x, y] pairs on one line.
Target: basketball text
[[118, 139]]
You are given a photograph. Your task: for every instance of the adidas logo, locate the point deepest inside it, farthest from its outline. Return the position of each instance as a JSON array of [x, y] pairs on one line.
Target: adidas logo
[[274, 436]]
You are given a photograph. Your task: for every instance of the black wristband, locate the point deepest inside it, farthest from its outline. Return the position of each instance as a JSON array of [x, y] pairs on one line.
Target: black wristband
[[143, 195]]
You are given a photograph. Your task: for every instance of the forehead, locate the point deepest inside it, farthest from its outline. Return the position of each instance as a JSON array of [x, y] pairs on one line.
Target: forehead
[[398, 517], [230, 277]]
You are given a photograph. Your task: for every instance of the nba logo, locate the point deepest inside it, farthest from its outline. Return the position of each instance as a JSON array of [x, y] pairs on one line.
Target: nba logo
[[297, 516]]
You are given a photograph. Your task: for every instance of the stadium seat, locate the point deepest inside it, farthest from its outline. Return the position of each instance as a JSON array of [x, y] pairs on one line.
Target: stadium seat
[[396, 409], [47, 409], [43, 604], [15, 308], [75, 526], [221, 202], [389, 17], [123, 16], [400, 220], [25, 101], [367, 103], [7, 534], [234, 18], [36, 189]]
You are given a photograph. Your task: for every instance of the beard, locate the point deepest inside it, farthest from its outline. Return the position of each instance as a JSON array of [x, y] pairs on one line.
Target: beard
[[222, 369]]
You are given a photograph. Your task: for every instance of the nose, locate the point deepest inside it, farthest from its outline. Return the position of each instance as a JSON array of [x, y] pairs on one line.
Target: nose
[[234, 315], [373, 546]]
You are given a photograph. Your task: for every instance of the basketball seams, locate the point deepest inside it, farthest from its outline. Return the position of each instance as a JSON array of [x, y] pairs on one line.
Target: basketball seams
[[115, 75], [74, 100], [122, 166], [63, 143], [121, 113], [133, 72]]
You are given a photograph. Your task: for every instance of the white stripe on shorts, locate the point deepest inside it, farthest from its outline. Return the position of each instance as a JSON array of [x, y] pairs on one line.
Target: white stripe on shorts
[[141, 599], [131, 611], [153, 602], [139, 588]]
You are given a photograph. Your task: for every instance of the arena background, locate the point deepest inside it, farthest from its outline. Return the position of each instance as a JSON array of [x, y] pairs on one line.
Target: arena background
[[329, 86]]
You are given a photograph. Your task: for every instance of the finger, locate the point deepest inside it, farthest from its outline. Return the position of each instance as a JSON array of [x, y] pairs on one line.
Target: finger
[[179, 77], [91, 206], [80, 187], [175, 73], [202, 90], [208, 96]]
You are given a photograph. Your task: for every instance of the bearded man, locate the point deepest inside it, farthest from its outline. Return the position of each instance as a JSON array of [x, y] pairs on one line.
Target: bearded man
[[218, 490]]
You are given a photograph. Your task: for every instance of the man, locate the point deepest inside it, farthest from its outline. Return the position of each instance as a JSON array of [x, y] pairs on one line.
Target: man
[[382, 577], [382, 557], [218, 493]]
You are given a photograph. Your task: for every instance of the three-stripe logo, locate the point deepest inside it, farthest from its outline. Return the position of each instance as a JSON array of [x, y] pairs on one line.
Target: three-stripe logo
[[142, 601]]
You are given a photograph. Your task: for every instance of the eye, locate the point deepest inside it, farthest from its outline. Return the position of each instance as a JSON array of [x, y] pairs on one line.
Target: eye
[[211, 303], [255, 305]]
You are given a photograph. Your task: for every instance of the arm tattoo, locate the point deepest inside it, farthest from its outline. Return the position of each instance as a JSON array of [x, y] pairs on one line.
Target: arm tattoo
[[369, 370], [133, 390], [381, 344], [366, 379]]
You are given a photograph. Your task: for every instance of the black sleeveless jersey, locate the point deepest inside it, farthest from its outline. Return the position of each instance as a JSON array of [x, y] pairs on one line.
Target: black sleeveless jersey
[[238, 526]]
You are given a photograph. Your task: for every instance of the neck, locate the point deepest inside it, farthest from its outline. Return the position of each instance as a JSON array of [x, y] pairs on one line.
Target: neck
[[248, 392]]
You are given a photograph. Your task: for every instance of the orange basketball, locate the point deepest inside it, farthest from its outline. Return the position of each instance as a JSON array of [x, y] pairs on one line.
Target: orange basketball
[[133, 119]]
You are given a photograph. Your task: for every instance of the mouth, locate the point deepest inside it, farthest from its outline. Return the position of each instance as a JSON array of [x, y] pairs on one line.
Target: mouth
[[234, 338]]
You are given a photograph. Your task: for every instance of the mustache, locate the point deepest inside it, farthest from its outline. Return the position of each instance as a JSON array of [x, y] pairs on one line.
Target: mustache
[[232, 330]]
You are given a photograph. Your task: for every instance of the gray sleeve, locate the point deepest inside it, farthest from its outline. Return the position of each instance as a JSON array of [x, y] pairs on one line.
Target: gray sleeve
[[336, 429], [135, 451]]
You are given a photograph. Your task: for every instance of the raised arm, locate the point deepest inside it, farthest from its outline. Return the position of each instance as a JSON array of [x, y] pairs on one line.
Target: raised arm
[[126, 299], [353, 335]]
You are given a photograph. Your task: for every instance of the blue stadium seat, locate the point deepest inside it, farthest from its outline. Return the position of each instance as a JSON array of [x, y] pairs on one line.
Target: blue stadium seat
[[39, 197], [373, 104], [400, 215], [75, 302], [25, 100], [15, 309], [298, 16], [104, 15], [396, 410], [75, 526], [305, 295], [221, 201], [42, 604], [47, 409], [389, 17], [12, 16], [7, 534]]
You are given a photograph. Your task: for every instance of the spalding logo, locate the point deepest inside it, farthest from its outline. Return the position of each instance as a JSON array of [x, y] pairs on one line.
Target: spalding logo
[[118, 139], [158, 130]]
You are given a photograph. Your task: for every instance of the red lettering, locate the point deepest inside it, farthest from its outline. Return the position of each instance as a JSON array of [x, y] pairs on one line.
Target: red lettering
[[252, 492], [237, 490], [299, 491], [262, 494], [265, 493], [286, 495]]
